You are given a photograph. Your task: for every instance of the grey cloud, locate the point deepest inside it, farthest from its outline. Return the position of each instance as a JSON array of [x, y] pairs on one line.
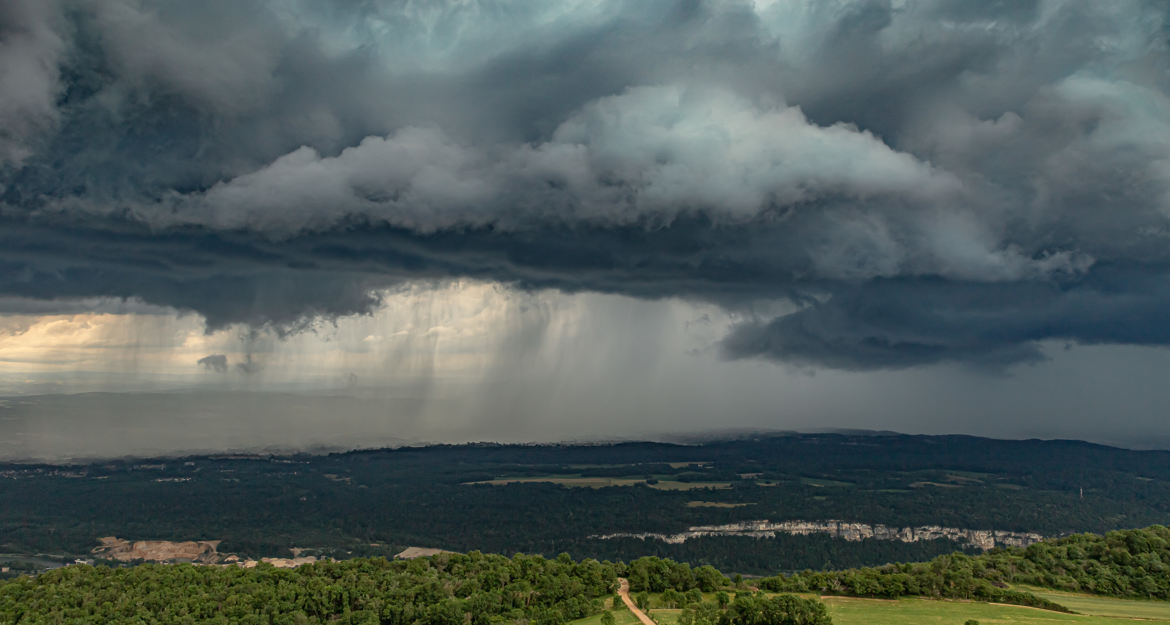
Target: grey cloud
[[30, 53], [221, 56], [929, 181], [248, 365], [214, 362], [648, 154], [73, 306], [904, 323]]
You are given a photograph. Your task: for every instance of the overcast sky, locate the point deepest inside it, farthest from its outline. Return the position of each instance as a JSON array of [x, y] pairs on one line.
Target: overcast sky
[[279, 223]]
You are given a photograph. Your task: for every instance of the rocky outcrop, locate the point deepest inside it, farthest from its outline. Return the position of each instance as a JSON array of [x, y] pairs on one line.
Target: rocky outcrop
[[846, 530], [280, 563], [411, 553], [196, 551]]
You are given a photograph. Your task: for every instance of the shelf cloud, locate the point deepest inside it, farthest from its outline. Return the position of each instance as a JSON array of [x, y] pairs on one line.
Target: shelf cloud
[[916, 181]]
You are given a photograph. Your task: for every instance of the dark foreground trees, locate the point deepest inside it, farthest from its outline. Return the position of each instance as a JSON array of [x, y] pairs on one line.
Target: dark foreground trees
[[756, 609], [449, 589], [478, 589], [1127, 563]]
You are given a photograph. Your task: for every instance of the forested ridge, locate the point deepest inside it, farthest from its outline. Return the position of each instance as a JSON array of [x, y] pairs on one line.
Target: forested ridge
[[369, 503]]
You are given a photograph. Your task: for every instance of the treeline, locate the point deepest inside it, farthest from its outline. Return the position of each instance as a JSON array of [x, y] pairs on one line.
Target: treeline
[[682, 586], [955, 576], [755, 609], [652, 574], [448, 589], [767, 556], [1128, 563]]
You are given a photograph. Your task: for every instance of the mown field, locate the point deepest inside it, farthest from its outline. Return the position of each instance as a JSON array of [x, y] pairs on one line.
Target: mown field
[[1091, 610], [1106, 606]]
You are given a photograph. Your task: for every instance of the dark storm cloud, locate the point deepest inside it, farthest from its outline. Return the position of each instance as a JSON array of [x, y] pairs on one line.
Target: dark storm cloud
[[30, 51], [900, 323], [926, 181], [214, 362]]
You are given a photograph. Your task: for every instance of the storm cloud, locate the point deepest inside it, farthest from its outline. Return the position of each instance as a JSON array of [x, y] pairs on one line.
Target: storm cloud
[[919, 181], [214, 362]]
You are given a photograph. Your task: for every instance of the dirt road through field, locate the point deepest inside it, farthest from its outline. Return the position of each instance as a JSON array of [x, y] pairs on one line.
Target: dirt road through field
[[624, 591]]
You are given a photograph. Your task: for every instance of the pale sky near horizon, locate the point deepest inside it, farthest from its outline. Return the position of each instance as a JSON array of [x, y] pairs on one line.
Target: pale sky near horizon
[[287, 224], [475, 362]]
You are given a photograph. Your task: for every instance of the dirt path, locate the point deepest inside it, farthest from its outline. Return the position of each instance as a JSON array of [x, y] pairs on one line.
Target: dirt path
[[624, 591]]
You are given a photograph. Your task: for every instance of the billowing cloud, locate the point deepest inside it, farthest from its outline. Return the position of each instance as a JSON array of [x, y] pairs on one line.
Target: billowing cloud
[[646, 155], [922, 181]]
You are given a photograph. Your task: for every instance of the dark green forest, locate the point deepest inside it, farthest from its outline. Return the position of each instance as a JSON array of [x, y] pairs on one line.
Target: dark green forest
[[369, 503], [450, 589]]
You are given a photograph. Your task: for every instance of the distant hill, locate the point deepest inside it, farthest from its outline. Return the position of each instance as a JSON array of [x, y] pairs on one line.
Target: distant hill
[[550, 499]]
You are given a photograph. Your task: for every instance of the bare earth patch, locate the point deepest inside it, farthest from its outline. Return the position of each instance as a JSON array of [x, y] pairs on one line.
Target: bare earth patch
[[411, 553], [672, 485], [576, 482], [202, 551]]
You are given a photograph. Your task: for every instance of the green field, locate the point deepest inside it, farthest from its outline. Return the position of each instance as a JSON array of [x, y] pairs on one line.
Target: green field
[[1158, 611], [673, 485], [665, 616], [823, 482], [1091, 610], [621, 616], [847, 611], [572, 481]]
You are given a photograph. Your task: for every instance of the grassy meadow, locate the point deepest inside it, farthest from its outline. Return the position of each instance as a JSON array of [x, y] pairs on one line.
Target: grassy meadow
[[1091, 610], [1094, 611]]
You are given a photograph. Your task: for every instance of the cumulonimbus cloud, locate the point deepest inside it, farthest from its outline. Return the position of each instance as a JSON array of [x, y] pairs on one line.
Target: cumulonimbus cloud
[[930, 181]]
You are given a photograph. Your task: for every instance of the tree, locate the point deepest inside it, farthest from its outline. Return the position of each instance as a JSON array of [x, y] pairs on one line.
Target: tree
[[608, 619], [755, 609], [709, 578]]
